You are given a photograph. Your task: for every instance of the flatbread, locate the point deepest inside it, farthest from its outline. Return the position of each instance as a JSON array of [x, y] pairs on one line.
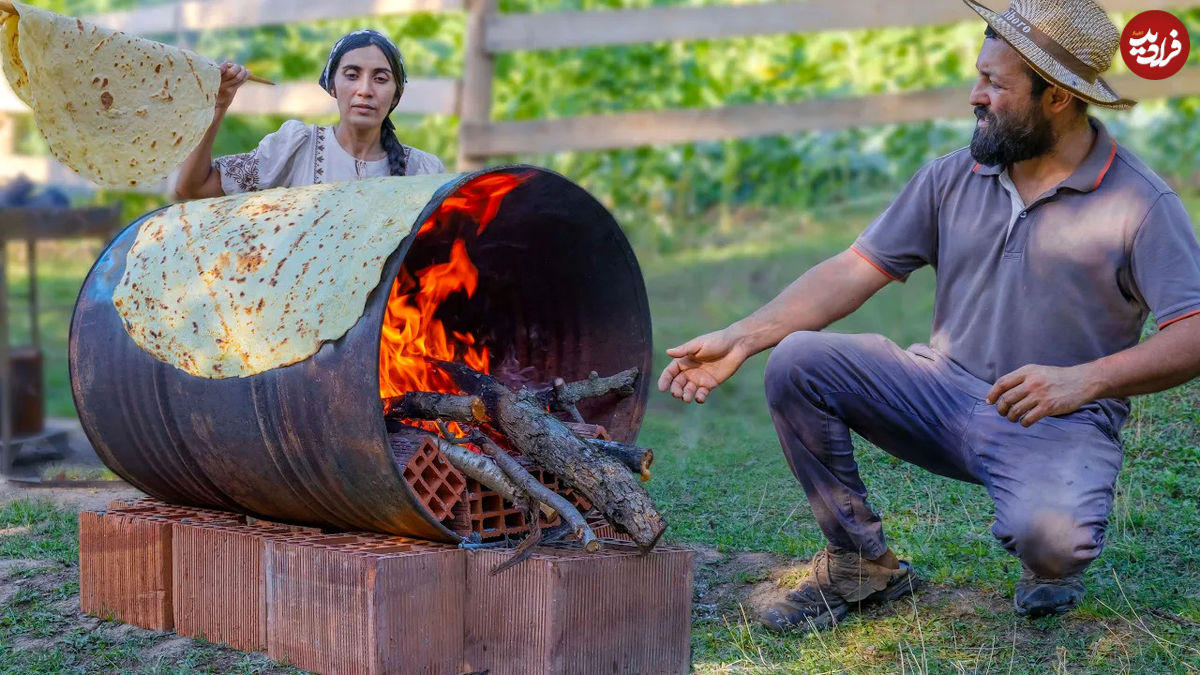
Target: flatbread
[[120, 110], [237, 285]]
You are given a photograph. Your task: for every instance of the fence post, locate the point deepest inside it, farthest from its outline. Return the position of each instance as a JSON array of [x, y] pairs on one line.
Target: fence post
[[478, 70], [7, 135]]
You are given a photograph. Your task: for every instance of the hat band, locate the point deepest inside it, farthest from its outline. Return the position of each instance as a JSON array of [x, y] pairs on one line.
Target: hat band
[[1048, 45]]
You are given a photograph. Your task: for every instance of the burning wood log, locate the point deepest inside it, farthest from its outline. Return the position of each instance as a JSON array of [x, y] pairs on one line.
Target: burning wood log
[[637, 459], [425, 405], [563, 396], [545, 440]]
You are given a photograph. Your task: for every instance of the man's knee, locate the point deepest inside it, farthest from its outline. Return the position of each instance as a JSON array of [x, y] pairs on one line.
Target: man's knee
[[792, 363], [1051, 543]]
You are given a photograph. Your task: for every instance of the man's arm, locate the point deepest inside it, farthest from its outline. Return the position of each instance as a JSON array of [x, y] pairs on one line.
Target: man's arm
[[1168, 359], [825, 293]]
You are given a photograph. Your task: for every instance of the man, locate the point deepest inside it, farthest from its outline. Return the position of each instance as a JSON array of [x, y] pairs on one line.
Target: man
[[1052, 245]]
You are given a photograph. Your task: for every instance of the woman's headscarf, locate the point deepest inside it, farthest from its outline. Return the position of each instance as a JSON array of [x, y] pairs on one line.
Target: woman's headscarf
[[397, 153]]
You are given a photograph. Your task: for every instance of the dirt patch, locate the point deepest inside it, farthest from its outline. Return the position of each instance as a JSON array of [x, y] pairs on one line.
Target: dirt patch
[[13, 574], [726, 580], [74, 499]]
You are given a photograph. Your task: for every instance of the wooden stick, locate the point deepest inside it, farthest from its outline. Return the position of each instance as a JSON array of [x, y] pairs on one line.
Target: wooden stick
[[638, 460], [563, 397], [6, 6], [604, 481], [481, 468], [537, 491], [426, 405]]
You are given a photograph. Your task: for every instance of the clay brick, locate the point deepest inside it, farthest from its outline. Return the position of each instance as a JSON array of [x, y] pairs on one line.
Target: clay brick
[[435, 481], [219, 581], [365, 604], [493, 518], [567, 611], [125, 562]]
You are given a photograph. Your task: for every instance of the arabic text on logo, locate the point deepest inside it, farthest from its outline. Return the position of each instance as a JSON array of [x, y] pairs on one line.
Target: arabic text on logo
[[1155, 44]]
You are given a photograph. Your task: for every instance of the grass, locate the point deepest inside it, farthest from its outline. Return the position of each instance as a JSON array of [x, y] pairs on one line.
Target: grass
[[724, 486]]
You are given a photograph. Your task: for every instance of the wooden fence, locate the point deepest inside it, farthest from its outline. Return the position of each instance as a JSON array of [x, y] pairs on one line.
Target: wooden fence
[[490, 33]]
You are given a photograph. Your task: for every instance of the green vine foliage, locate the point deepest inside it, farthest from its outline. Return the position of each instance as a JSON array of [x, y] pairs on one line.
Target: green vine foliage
[[665, 195]]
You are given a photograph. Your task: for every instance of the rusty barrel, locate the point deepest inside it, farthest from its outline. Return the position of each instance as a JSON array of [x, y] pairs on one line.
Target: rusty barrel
[[560, 294]]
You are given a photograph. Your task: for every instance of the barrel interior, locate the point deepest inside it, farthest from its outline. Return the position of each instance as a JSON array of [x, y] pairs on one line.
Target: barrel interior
[[559, 294]]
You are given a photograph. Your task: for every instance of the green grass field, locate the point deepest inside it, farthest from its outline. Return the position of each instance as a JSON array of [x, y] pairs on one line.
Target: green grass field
[[722, 482]]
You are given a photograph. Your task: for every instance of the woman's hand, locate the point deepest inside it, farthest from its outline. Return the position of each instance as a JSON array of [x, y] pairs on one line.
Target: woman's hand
[[232, 77]]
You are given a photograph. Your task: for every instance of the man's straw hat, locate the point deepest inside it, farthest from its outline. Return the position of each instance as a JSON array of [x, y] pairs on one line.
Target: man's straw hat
[[1069, 43]]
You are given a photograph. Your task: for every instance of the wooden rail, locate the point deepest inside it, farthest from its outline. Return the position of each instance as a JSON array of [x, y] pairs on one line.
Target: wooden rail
[[194, 15], [625, 130], [490, 33], [559, 30]]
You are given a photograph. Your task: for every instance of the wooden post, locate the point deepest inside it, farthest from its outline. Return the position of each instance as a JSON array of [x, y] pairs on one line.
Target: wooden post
[[6, 454], [478, 69], [7, 134]]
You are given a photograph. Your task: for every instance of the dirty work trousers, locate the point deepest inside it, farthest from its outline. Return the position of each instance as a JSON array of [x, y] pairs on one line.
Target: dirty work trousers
[[1051, 483]]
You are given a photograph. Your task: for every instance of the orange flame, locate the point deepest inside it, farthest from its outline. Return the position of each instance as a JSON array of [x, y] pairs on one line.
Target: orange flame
[[480, 200], [412, 337]]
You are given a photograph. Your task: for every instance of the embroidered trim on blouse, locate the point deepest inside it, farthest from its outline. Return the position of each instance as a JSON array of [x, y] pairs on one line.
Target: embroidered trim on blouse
[[319, 157], [241, 169]]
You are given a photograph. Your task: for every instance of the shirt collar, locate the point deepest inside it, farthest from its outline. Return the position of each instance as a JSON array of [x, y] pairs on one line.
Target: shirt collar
[[1090, 173]]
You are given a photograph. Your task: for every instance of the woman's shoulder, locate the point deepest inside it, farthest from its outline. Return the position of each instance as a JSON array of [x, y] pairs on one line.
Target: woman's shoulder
[[421, 162], [294, 129]]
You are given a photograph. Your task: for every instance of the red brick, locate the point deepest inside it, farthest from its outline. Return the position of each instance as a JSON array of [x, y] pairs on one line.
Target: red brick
[[365, 604], [125, 562], [567, 611], [219, 582]]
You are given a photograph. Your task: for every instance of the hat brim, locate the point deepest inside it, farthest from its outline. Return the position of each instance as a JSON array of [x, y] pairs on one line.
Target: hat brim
[[1097, 93]]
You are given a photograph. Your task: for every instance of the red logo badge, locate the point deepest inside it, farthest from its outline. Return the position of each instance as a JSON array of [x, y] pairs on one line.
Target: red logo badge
[[1155, 44]]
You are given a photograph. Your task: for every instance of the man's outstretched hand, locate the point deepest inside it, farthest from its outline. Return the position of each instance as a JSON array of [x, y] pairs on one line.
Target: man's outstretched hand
[[700, 365], [1030, 393]]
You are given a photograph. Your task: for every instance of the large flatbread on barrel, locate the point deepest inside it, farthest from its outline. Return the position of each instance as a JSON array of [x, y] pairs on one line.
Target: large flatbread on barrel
[[233, 286], [121, 110]]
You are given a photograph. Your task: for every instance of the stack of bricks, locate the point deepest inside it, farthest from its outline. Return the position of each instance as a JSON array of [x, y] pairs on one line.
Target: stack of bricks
[[125, 560], [356, 602]]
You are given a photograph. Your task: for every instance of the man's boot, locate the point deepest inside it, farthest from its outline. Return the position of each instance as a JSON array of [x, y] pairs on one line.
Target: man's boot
[[1037, 596], [835, 581]]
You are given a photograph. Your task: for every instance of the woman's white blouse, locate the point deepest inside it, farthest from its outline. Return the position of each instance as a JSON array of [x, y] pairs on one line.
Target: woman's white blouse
[[303, 154]]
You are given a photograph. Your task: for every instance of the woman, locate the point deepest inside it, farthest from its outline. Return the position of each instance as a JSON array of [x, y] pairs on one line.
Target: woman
[[365, 73]]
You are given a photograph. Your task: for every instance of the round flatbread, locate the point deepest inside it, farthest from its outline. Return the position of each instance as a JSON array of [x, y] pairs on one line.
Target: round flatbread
[[234, 286], [120, 110]]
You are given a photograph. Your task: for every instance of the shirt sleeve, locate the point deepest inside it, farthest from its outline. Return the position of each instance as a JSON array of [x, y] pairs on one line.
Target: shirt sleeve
[[267, 166], [421, 162], [1166, 262], [904, 237]]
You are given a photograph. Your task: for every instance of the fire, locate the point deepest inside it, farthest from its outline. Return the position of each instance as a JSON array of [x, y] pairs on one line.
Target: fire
[[480, 200], [412, 337]]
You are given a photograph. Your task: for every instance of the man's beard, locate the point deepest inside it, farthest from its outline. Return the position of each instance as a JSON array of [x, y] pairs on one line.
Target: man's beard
[[1008, 140]]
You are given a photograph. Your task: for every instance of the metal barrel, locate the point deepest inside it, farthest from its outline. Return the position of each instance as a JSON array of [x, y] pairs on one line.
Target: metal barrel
[[560, 295]]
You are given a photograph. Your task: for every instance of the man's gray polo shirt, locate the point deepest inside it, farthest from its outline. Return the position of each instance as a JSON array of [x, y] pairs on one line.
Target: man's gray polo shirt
[[1073, 280]]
